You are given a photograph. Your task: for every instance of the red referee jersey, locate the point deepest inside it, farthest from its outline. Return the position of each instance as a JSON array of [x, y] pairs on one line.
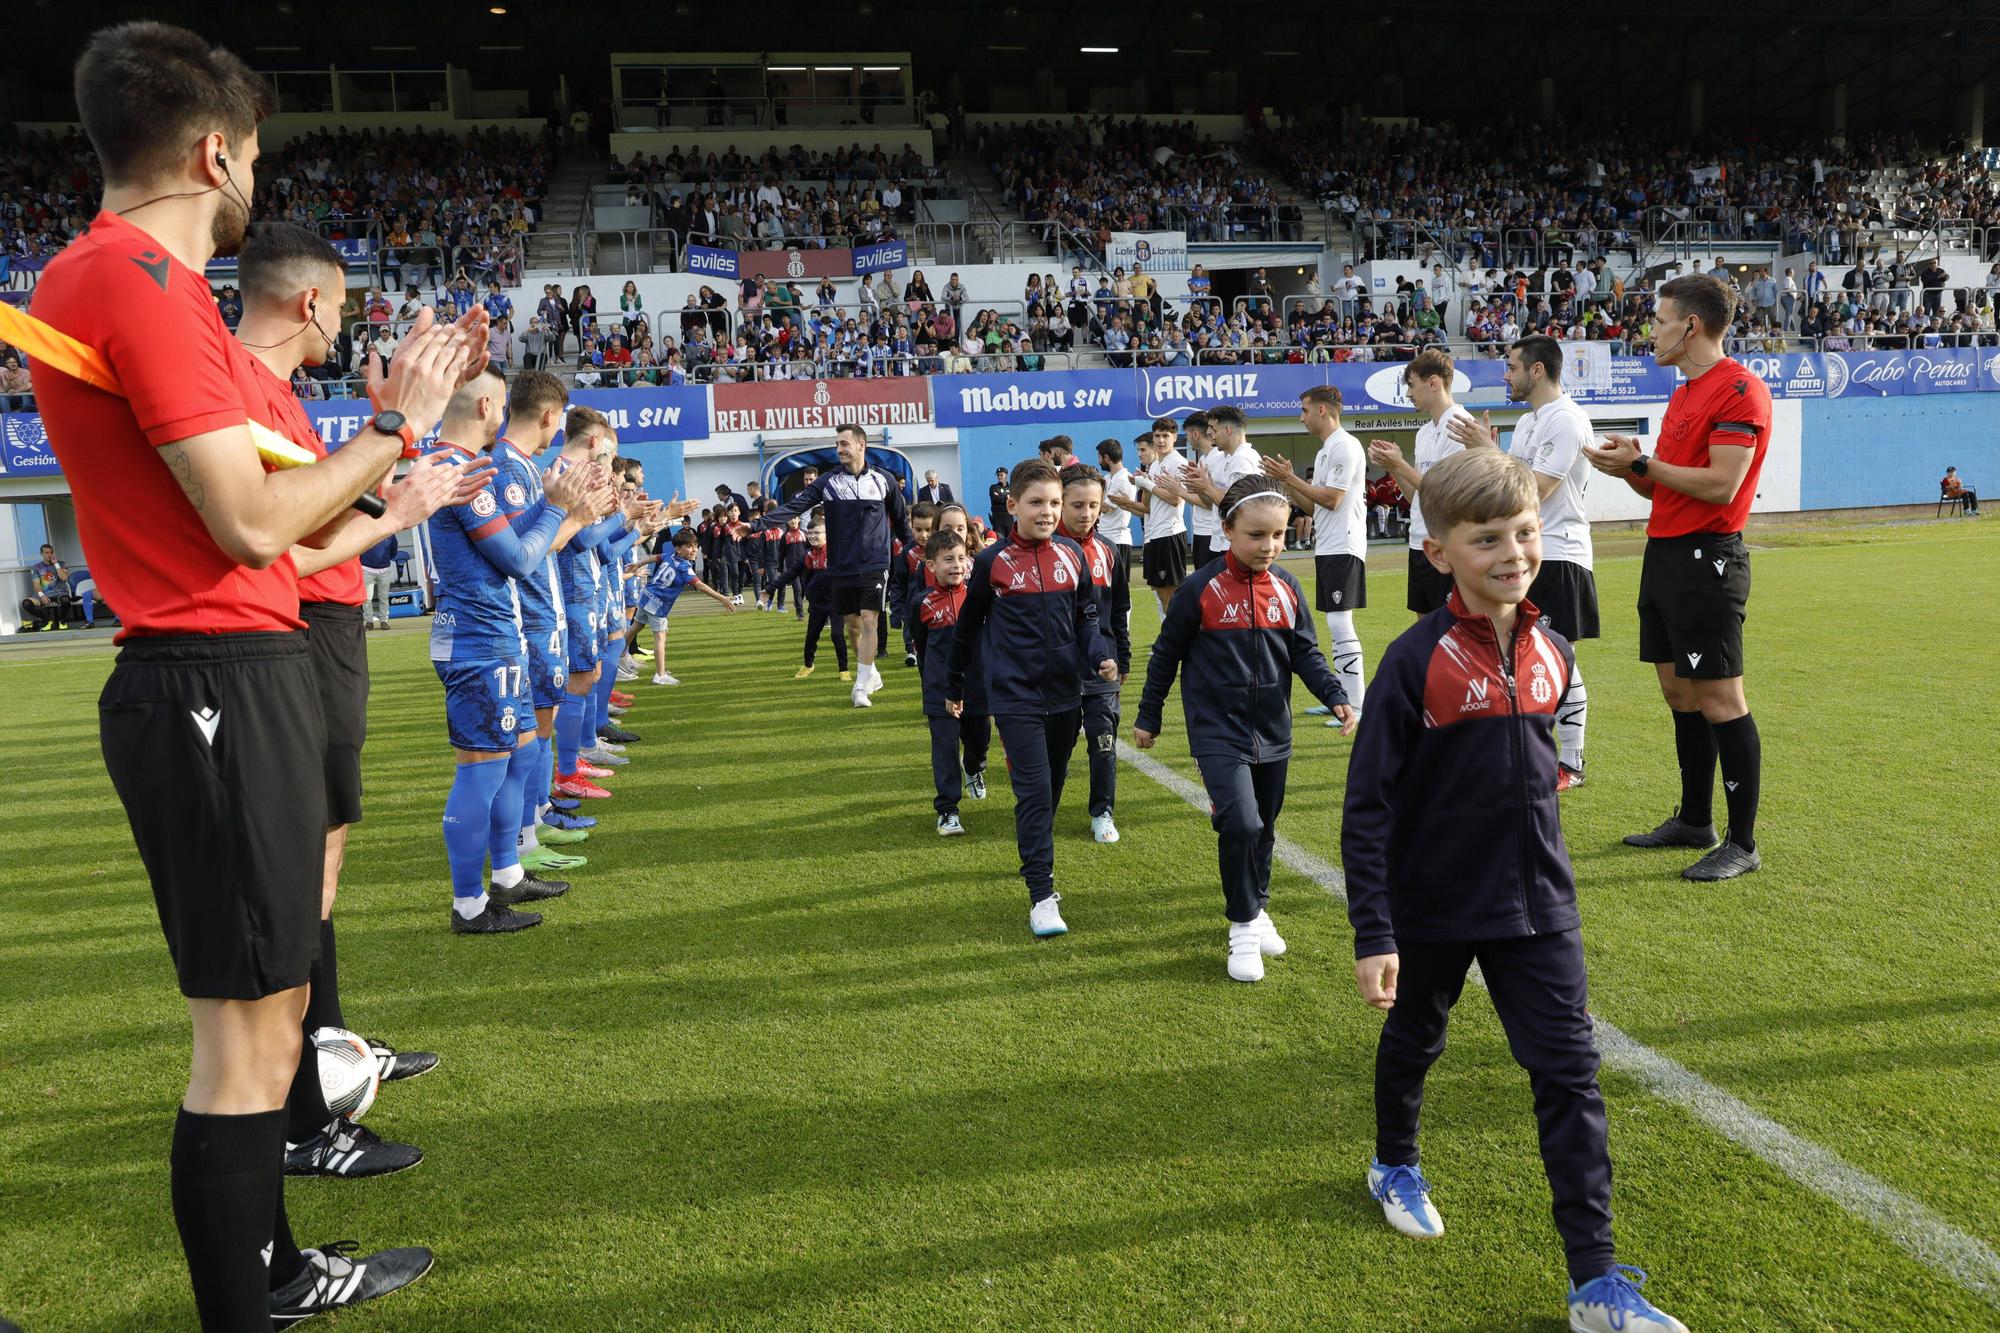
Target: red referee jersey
[[1727, 405], [272, 403], [118, 290]]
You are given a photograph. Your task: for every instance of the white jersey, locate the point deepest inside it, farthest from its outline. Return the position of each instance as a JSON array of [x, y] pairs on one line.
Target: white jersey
[[1550, 440], [1163, 517], [1206, 522], [1434, 445], [1114, 524], [1341, 464], [1227, 470]]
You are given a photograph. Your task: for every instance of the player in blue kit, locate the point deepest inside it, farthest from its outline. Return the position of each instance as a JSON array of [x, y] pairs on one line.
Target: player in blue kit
[[535, 406], [672, 576], [481, 656]]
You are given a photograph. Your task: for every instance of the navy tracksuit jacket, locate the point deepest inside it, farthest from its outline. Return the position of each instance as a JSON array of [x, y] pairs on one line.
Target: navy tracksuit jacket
[[1452, 845], [1237, 637], [862, 513], [1113, 589], [1031, 614], [958, 744]]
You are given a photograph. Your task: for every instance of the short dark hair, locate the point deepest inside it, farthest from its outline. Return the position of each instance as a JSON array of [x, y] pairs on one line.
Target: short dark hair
[[1431, 363], [1031, 472], [281, 259], [1324, 394], [1110, 451], [534, 391], [850, 428], [1703, 297], [1062, 442], [1195, 421], [1228, 414], [923, 509], [723, 490], [684, 536], [1165, 423], [944, 539], [1538, 349], [146, 92]]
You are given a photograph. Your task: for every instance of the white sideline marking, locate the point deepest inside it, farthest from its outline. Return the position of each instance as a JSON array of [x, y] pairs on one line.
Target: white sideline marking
[[1927, 1237]]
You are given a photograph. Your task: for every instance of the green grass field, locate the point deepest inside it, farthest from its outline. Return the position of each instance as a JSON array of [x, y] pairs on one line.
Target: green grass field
[[784, 1059]]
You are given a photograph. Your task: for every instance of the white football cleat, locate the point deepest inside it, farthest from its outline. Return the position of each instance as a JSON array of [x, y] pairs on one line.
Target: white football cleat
[[1246, 958], [1613, 1304], [1272, 945], [949, 827], [1405, 1197], [1045, 918], [1102, 829], [861, 699]]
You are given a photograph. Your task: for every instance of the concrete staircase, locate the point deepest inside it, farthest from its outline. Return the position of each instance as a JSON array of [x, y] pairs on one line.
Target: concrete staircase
[[552, 247]]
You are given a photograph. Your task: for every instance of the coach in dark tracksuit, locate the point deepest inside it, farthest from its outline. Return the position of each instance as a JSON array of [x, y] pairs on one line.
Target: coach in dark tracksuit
[[1237, 638], [1113, 591], [958, 744], [1028, 612], [1454, 854]]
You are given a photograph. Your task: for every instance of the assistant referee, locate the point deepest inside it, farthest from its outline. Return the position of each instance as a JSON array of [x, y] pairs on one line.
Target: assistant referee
[[211, 723], [1694, 587]]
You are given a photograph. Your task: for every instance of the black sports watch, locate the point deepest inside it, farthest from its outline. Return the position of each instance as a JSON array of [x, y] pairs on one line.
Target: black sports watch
[[1639, 465], [391, 422]]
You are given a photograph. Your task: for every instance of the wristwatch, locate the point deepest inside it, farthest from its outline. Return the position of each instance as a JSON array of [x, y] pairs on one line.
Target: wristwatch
[[1639, 465], [391, 422]]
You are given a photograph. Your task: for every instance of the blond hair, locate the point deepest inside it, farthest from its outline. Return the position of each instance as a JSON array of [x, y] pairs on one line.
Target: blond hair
[[1476, 486]]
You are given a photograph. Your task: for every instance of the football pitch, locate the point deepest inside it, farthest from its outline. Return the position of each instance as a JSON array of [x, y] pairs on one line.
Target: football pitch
[[785, 1058]]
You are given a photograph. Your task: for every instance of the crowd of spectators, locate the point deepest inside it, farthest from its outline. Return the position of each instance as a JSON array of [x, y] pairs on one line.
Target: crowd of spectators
[[1507, 192], [1095, 175]]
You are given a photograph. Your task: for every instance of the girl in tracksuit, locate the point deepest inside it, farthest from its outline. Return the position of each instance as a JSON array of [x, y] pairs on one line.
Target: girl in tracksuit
[[958, 744], [815, 588], [1242, 629], [791, 560], [1030, 614]]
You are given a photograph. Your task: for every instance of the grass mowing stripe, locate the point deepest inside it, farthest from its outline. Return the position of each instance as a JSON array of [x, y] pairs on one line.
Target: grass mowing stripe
[[1927, 1237]]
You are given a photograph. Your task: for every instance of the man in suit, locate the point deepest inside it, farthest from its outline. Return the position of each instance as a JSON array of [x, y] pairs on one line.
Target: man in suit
[[934, 492], [997, 517]]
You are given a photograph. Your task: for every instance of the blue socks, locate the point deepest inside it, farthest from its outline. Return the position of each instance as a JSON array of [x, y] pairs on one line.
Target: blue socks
[[607, 680], [468, 821], [504, 824], [569, 731], [535, 789]]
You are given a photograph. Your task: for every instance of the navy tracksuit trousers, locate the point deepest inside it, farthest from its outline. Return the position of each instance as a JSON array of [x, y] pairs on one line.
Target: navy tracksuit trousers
[[1038, 747], [1246, 799], [1100, 740], [1540, 992], [958, 747]]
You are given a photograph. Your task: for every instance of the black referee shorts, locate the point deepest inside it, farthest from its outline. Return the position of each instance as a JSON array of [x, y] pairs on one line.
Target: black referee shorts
[[1340, 583], [214, 745], [1429, 588], [1566, 595], [338, 641], [1693, 594]]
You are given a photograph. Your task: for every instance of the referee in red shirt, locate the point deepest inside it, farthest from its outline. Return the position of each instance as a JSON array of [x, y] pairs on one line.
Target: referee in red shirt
[[211, 723], [1695, 584]]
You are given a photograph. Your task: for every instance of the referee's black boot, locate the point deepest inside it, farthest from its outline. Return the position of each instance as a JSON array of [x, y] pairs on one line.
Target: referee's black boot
[[350, 1151], [495, 920], [334, 1278], [1725, 862], [1676, 832], [529, 890]]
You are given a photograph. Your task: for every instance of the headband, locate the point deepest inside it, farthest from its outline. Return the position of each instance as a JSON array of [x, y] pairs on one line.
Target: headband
[[1254, 495]]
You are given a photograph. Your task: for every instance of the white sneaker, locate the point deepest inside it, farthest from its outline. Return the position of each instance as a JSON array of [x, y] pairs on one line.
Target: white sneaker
[[1405, 1197], [1102, 829], [1246, 958], [861, 699], [1045, 918], [1613, 1304], [597, 754], [627, 671], [949, 827], [875, 681], [662, 678], [737, 600], [1272, 944]]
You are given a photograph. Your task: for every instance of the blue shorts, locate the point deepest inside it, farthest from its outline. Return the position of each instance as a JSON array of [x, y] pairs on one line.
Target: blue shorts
[[487, 706], [548, 665], [585, 645]]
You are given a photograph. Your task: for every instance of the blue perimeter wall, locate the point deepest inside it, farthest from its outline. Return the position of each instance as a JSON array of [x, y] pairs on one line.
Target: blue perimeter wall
[[1860, 452], [983, 448]]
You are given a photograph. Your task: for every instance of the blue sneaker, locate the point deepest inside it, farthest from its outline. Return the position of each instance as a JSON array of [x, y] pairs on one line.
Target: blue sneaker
[[562, 819], [1319, 710], [1405, 1197], [566, 804], [1612, 1304]]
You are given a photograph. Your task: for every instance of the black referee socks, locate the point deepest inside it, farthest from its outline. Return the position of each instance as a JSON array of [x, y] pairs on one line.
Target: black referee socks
[[1742, 773], [228, 1178], [1694, 744], [306, 1111]]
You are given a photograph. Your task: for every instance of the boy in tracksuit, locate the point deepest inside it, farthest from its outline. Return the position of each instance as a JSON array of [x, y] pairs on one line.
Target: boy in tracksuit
[[1454, 854], [1030, 613], [770, 550], [1083, 501], [727, 553], [958, 744], [1241, 630], [815, 588], [791, 559], [906, 575]]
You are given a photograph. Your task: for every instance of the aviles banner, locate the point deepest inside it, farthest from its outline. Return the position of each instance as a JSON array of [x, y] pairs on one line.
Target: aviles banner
[[876, 258], [820, 404]]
